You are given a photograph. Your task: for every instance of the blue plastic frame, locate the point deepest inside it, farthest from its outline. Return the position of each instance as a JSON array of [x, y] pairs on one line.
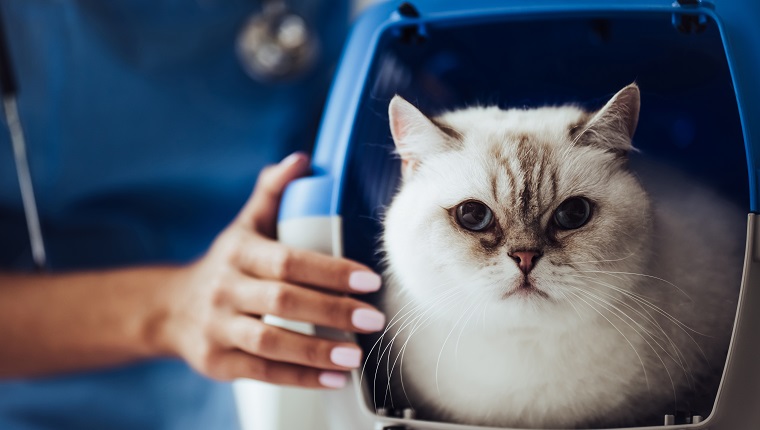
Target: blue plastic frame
[[321, 194]]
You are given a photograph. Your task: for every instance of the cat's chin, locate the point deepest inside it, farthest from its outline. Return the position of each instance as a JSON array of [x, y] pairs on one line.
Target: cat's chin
[[525, 290], [523, 309]]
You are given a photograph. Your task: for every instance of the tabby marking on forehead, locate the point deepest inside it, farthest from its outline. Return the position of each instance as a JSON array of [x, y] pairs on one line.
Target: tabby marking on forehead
[[495, 187], [534, 161]]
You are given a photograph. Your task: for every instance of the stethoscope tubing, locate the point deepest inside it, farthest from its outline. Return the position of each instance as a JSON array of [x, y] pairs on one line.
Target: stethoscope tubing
[[10, 106], [9, 90]]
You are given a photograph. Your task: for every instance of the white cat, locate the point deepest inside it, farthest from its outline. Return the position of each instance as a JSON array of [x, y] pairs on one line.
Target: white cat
[[535, 283]]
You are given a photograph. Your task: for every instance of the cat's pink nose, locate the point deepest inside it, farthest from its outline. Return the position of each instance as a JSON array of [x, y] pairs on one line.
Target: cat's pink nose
[[526, 260]]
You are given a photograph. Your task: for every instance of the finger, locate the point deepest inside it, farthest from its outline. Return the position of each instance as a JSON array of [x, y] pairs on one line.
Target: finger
[[274, 343], [260, 212], [239, 364], [273, 260], [302, 304]]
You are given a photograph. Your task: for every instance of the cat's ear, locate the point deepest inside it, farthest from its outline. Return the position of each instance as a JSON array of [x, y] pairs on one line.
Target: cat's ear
[[613, 126], [416, 136]]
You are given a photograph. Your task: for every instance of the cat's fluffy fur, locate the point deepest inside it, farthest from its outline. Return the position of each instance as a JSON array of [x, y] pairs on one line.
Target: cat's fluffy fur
[[635, 308]]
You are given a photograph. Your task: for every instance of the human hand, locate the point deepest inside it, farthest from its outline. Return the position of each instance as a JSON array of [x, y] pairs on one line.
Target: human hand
[[215, 305]]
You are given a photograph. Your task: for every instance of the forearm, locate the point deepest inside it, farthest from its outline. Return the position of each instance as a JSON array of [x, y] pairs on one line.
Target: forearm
[[69, 322], [207, 313]]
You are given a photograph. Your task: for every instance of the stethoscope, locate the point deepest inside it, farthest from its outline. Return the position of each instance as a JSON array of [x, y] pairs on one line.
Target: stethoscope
[[274, 45], [10, 107]]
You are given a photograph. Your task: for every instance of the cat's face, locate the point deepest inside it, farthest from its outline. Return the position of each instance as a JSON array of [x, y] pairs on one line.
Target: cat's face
[[515, 209]]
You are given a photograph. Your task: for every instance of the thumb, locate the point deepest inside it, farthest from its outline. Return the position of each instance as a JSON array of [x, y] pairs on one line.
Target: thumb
[[260, 212]]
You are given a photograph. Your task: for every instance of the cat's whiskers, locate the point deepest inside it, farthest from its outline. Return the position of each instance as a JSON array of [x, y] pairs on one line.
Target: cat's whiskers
[[680, 358], [394, 320], [474, 311], [605, 261], [643, 368], [640, 274], [567, 298], [438, 362], [650, 334], [401, 353], [482, 316], [617, 312], [419, 321], [409, 318], [637, 299], [649, 318], [646, 302], [418, 325]]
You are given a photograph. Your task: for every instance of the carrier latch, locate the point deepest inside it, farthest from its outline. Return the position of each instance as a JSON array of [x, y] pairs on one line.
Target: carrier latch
[[688, 22], [408, 10], [413, 33]]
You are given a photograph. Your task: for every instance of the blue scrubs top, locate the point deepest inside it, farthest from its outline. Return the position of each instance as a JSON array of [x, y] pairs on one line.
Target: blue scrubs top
[[144, 139]]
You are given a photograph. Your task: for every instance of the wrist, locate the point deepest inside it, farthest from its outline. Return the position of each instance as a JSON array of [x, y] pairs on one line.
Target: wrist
[[158, 328]]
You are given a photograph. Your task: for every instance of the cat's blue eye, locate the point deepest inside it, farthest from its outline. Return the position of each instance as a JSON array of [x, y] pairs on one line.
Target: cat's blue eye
[[572, 213], [474, 215]]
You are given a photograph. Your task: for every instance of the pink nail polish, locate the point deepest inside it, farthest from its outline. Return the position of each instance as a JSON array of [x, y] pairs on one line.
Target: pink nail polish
[[368, 319], [293, 158], [364, 281], [332, 379], [346, 357]]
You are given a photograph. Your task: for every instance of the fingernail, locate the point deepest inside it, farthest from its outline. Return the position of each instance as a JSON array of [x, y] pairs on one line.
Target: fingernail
[[346, 357], [332, 379], [293, 158], [364, 281], [368, 319]]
